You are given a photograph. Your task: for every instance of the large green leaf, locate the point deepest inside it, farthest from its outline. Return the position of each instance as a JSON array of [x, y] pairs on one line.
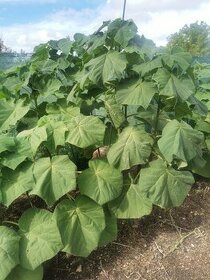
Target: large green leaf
[[35, 136], [114, 111], [7, 143], [109, 234], [9, 251], [15, 183], [136, 92], [170, 85], [101, 182], [81, 223], [54, 177], [106, 67], [165, 186], [85, 131], [131, 204], [177, 56], [125, 33], [40, 238], [147, 67], [20, 273], [56, 130], [203, 171], [22, 152], [11, 113], [49, 92], [180, 140], [132, 147]]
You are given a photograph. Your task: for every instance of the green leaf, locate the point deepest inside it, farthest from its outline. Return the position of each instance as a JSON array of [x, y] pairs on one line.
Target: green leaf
[[136, 92], [131, 204], [180, 140], [9, 251], [55, 129], [11, 113], [114, 111], [40, 238], [7, 143], [81, 223], [125, 33], [20, 273], [109, 234], [147, 67], [15, 183], [49, 92], [203, 171], [165, 186], [54, 177], [35, 137], [22, 152], [170, 85], [132, 147], [85, 131], [177, 56], [106, 68], [101, 182]]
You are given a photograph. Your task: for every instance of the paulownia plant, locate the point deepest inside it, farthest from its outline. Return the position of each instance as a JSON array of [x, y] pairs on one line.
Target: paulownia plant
[[99, 128]]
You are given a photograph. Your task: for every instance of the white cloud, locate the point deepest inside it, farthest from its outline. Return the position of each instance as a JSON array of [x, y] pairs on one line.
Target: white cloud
[[155, 19]]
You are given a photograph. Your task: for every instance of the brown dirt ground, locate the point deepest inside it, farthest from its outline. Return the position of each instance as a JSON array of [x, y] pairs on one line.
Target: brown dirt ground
[[167, 245]]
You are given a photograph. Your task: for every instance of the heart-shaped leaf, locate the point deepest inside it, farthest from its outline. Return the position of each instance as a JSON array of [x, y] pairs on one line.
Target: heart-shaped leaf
[[101, 182], [81, 223], [40, 238]]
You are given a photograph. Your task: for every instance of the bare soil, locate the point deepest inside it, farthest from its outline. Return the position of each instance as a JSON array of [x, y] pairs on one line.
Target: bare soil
[[167, 245]]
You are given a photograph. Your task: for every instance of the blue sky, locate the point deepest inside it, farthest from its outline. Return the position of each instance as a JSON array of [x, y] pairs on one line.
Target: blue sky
[[27, 23], [23, 12]]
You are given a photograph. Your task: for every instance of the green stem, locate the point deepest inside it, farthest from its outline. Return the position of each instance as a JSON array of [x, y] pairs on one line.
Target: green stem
[[126, 111], [110, 135], [29, 199], [157, 116], [10, 222], [36, 104], [70, 197]]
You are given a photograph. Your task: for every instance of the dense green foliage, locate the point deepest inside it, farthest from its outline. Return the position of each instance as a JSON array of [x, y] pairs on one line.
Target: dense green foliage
[[100, 128], [194, 38]]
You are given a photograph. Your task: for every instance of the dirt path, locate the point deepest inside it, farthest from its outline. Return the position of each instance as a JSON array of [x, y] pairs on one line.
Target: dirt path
[[167, 245]]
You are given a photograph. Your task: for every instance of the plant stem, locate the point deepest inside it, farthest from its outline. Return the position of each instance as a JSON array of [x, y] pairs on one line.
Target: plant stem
[[10, 222], [36, 104], [126, 111], [70, 197], [157, 116], [29, 199]]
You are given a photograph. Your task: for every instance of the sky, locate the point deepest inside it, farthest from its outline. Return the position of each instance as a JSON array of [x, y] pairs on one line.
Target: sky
[[27, 23]]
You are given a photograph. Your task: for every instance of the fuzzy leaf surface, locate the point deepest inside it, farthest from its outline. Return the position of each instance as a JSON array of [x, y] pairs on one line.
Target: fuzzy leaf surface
[[40, 238], [100, 181], [106, 67], [85, 131], [9, 251], [20, 273], [15, 183], [132, 147], [165, 186], [136, 93], [131, 204], [180, 140], [81, 223], [54, 177]]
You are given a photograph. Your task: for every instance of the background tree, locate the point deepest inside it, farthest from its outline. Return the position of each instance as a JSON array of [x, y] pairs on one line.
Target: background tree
[[194, 38], [3, 48]]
